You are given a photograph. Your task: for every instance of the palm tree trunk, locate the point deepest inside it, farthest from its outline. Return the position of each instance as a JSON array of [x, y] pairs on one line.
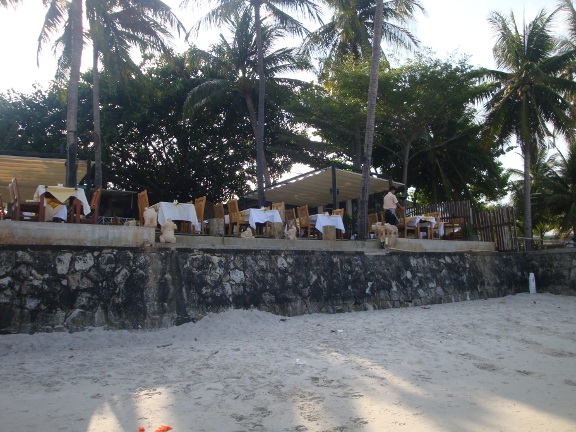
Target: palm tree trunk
[[72, 95], [96, 113], [357, 146], [260, 159], [527, 196], [407, 146], [370, 121], [254, 122]]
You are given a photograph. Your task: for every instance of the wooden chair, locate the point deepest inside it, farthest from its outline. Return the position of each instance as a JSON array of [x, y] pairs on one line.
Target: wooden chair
[[281, 209], [403, 228], [411, 229], [434, 231], [339, 212], [199, 206], [291, 220], [19, 206], [142, 204], [454, 228], [3, 214], [372, 220], [304, 220], [235, 218], [92, 217]]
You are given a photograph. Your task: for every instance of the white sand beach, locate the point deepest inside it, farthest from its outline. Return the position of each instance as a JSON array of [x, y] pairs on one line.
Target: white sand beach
[[506, 364]]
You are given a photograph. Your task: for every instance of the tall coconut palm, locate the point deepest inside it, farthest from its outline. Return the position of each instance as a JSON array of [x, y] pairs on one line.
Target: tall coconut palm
[[350, 33], [543, 166], [68, 15], [530, 95], [114, 27], [351, 29], [277, 11], [406, 9], [230, 69]]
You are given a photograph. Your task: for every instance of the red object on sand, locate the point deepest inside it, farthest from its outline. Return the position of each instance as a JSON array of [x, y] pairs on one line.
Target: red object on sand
[[141, 429], [163, 429]]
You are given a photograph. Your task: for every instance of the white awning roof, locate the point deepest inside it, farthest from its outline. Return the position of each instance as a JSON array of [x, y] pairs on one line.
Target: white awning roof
[[31, 172], [315, 188]]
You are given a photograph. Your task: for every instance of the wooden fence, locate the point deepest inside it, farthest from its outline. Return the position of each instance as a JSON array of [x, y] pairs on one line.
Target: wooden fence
[[448, 211], [498, 226]]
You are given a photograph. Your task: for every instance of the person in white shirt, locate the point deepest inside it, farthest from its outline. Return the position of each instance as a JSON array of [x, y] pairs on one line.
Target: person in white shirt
[[390, 205]]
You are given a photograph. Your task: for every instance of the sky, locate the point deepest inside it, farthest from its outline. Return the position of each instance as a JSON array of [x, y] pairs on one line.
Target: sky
[[449, 26]]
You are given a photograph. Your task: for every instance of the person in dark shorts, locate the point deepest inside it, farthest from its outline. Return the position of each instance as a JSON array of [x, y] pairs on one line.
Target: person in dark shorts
[[390, 205]]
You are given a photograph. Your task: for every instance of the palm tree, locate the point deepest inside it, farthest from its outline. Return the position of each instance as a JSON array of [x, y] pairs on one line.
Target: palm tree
[[530, 95], [406, 9], [69, 15], [276, 11], [115, 26], [567, 7], [543, 166], [350, 31], [559, 188], [230, 69], [349, 34]]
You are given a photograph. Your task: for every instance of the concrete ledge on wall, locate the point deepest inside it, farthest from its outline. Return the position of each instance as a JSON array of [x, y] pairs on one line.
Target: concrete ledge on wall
[[51, 233], [260, 243], [412, 245]]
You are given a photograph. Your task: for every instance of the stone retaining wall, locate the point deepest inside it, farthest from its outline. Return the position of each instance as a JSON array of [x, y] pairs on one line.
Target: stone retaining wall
[[58, 288]]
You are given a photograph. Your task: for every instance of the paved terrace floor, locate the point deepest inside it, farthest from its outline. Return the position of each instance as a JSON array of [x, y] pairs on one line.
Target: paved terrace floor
[[49, 233]]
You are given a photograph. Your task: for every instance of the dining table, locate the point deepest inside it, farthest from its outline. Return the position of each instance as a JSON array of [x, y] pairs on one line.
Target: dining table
[[261, 216], [322, 219], [177, 212], [58, 197], [427, 222]]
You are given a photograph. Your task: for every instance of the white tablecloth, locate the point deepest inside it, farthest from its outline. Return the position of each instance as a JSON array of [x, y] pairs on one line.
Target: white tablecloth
[[321, 220], [55, 212], [62, 194], [176, 212], [254, 216], [425, 222]]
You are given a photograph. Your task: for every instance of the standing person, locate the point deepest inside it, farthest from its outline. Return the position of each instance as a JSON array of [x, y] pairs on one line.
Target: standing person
[[390, 205]]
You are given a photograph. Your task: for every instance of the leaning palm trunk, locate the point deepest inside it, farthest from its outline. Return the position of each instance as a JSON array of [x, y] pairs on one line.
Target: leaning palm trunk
[[72, 97], [96, 111], [260, 158], [370, 121]]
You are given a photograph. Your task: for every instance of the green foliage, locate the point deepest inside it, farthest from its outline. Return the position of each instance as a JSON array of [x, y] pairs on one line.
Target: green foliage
[[151, 147], [557, 186], [36, 122], [425, 127]]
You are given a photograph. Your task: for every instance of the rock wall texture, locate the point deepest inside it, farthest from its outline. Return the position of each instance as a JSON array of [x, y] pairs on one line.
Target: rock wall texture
[[57, 288]]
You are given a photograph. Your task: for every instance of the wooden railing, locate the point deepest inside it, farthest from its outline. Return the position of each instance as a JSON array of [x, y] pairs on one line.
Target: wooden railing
[[498, 226], [448, 211]]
